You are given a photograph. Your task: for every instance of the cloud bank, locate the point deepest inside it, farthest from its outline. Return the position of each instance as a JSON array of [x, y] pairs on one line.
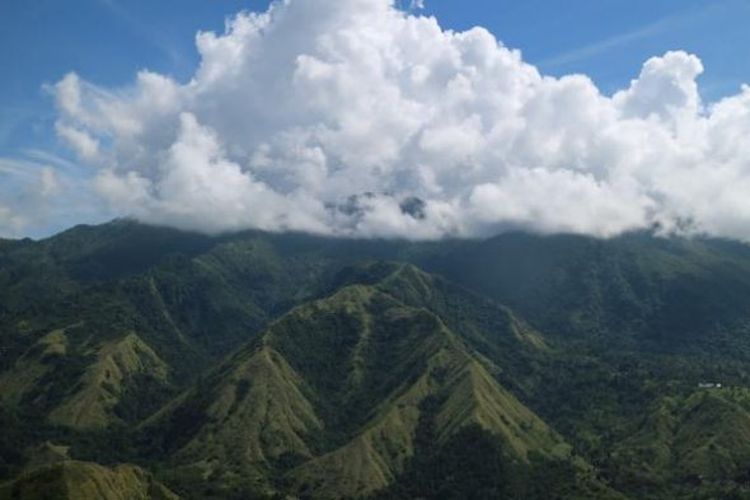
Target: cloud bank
[[359, 119]]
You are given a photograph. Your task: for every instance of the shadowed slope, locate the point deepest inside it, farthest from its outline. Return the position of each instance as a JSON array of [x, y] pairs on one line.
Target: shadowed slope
[[700, 439]]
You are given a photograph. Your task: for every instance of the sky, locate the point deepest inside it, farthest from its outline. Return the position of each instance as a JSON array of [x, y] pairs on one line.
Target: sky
[[109, 108]]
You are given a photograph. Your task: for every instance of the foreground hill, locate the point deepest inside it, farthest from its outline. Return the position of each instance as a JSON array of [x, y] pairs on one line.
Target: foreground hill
[[274, 364], [82, 382], [331, 396], [71, 480]]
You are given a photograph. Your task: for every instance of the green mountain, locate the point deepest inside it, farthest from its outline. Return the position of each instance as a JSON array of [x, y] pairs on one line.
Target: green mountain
[[262, 365], [330, 397], [81, 382], [72, 480], [696, 440]]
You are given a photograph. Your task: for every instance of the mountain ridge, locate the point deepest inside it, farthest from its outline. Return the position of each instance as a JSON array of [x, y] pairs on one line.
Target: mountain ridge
[[549, 353], [381, 444]]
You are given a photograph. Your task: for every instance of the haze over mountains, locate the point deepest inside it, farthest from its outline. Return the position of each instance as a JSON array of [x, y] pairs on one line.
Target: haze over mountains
[[138, 358]]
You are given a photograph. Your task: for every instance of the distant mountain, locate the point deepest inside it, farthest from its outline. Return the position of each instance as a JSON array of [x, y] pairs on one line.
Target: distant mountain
[[262, 365]]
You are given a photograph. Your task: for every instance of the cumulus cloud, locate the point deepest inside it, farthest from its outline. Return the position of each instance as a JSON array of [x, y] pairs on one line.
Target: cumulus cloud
[[359, 119], [81, 142]]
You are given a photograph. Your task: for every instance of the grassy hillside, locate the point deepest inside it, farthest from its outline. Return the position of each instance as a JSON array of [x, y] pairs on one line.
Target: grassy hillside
[[71, 480], [288, 363], [698, 442], [350, 375], [117, 365], [80, 382]]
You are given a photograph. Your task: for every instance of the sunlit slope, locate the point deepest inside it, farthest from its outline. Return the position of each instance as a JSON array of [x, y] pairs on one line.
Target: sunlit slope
[[249, 414], [71, 480], [116, 365], [349, 375], [467, 395], [79, 382]]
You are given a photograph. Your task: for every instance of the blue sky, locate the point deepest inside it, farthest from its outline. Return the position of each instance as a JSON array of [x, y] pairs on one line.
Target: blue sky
[[106, 42]]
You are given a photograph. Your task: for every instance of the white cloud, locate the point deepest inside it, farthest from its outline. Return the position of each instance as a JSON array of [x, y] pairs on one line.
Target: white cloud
[[85, 146], [356, 118], [666, 88], [40, 193]]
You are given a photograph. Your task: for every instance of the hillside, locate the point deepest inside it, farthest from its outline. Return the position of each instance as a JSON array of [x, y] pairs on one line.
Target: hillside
[[71, 480], [266, 364], [350, 375], [80, 382], [698, 441]]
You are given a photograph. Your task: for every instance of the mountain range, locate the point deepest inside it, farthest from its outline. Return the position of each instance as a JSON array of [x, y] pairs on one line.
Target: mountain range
[[147, 362]]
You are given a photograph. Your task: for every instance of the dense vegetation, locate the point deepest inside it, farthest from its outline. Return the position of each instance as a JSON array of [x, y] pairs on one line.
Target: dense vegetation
[[261, 365]]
